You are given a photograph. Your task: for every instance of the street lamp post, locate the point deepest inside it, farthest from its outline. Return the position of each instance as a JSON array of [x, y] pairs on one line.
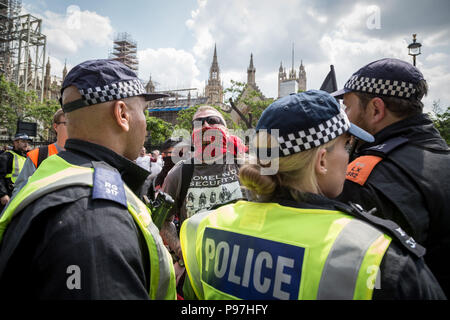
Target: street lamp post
[[414, 49]]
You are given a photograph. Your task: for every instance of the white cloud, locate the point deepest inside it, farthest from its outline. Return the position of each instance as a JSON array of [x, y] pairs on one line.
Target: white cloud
[[70, 34], [169, 68], [75, 30], [324, 33], [437, 57], [348, 48], [438, 80], [440, 38]]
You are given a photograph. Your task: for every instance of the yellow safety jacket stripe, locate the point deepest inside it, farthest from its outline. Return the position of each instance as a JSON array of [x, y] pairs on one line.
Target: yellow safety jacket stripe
[[17, 165], [46, 180], [339, 251]]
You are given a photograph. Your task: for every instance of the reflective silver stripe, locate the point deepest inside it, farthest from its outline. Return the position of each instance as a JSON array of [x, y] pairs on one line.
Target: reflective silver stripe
[[344, 260], [190, 258], [13, 175], [85, 179], [164, 263], [16, 166]]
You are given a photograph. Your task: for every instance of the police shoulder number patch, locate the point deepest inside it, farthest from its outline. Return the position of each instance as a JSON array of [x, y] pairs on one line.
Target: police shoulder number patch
[[108, 185], [359, 169], [249, 267]]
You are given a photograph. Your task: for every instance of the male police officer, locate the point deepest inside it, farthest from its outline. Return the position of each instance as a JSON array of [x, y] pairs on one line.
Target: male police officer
[[76, 230], [36, 156], [11, 163], [405, 173]]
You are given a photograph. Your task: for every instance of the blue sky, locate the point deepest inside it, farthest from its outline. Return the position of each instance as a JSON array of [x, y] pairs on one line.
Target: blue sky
[[176, 37]]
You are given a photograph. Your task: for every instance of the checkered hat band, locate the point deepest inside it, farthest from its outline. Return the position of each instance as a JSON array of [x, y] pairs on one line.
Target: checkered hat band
[[116, 91], [393, 88], [315, 136]]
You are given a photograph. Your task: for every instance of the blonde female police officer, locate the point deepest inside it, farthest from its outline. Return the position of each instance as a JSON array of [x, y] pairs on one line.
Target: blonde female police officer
[[296, 243]]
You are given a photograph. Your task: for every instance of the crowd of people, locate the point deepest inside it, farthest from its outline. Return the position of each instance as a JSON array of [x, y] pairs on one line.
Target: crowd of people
[[357, 208]]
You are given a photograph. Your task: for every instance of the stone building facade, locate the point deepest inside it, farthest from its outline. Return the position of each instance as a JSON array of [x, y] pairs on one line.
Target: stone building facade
[[285, 79]]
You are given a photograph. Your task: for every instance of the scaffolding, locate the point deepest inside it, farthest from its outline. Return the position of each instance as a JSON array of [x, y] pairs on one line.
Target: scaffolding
[[22, 47], [125, 50], [8, 10]]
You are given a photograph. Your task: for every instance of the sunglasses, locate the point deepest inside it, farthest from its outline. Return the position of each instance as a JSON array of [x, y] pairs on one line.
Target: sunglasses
[[210, 120]]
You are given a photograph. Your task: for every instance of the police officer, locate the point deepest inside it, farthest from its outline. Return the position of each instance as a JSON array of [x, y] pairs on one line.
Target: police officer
[[296, 243], [11, 163], [77, 230], [36, 156], [405, 172]]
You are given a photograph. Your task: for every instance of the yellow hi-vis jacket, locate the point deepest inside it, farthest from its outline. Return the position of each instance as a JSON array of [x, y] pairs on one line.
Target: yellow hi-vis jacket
[[17, 165], [258, 251], [55, 173]]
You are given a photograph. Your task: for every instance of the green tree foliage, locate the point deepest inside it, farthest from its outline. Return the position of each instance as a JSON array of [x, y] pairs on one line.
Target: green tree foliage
[[245, 97], [14, 104], [441, 119], [158, 130], [43, 114]]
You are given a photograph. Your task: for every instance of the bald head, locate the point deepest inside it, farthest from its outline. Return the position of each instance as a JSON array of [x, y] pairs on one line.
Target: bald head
[[119, 125], [204, 113]]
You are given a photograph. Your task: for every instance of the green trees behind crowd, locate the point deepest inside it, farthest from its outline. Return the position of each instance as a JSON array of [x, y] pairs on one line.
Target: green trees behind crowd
[[16, 104]]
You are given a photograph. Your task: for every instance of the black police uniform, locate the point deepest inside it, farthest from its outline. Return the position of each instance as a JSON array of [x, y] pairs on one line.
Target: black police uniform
[[411, 186], [99, 236], [6, 163]]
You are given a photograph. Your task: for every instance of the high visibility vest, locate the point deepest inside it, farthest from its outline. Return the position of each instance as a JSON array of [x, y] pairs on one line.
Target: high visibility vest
[[17, 165], [34, 154], [267, 251], [55, 173]]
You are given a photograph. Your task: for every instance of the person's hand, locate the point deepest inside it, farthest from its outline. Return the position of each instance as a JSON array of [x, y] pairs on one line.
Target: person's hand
[[179, 271], [4, 200]]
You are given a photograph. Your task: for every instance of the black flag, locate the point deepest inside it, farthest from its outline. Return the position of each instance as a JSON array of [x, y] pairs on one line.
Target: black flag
[[329, 84]]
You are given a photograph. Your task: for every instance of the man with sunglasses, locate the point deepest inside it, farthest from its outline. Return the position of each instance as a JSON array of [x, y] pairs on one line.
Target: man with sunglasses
[[36, 156], [205, 180]]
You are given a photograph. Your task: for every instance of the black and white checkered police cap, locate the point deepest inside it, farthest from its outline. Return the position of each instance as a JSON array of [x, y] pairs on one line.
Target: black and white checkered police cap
[[103, 80], [307, 120], [386, 77]]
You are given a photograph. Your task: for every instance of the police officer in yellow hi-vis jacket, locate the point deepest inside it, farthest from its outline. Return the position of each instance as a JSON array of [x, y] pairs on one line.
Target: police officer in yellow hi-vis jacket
[[296, 243], [77, 230], [11, 163]]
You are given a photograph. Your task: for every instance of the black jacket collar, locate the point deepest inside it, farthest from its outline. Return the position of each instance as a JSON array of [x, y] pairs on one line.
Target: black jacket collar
[[418, 129], [82, 153], [308, 201], [20, 153]]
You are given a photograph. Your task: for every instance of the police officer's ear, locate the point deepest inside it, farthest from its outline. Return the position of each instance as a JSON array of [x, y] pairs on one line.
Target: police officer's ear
[[321, 165], [376, 109], [121, 115]]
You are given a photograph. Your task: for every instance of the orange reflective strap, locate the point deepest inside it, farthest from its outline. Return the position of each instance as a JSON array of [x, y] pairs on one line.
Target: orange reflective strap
[[33, 155], [359, 169]]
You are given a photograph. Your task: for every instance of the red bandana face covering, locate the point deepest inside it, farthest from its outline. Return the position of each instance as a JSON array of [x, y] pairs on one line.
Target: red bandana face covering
[[209, 143], [212, 143]]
